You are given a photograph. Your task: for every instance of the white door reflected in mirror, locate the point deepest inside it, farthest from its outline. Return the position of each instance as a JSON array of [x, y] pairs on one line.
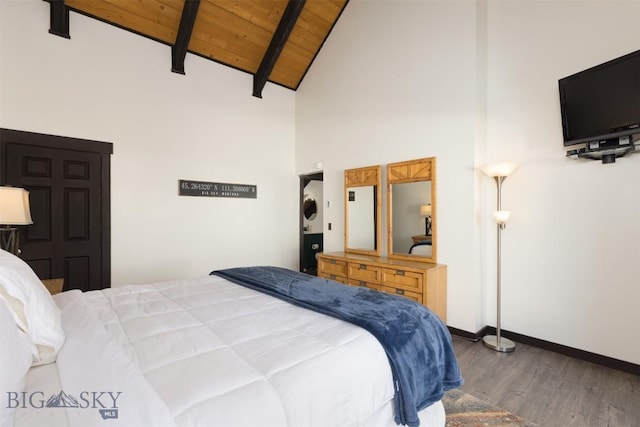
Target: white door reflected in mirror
[[362, 221]]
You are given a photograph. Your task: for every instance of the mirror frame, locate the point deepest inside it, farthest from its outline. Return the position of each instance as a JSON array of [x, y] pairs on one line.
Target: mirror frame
[[412, 171], [362, 177]]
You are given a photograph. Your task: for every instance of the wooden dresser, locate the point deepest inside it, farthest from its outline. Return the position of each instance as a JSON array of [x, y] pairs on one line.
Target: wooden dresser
[[425, 283]]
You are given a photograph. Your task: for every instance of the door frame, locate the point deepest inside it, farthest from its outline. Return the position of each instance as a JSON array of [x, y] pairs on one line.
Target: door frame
[[105, 149]]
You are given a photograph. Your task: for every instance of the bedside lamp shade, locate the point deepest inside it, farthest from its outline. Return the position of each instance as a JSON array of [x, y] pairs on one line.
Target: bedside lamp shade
[[425, 210], [14, 210], [14, 206]]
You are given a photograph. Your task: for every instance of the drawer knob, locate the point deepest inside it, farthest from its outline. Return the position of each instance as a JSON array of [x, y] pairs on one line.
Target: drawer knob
[[363, 283], [400, 272], [332, 261], [363, 266], [399, 292], [333, 276]]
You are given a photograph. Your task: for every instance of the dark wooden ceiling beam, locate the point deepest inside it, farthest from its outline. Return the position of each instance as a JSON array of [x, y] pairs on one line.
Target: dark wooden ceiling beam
[[59, 18], [280, 37], [179, 49]]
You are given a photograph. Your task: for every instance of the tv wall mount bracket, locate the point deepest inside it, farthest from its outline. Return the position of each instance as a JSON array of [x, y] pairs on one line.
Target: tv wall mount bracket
[[605, 150]]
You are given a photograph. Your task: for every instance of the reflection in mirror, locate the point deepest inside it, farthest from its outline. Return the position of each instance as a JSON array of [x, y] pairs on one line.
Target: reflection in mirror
[[311, 202], [362, 210], [310, 208], [411, 210], [361, 203], [409, 225]]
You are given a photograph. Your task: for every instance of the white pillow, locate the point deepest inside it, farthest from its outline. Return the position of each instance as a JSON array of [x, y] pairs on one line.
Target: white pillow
[[15, 354], [33, 309]]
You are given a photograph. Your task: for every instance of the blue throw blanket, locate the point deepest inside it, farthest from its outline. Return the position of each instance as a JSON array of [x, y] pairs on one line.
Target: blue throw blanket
[[416, 341]]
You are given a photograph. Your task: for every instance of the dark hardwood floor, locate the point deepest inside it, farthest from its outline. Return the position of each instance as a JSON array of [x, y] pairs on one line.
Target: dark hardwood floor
[[549, 389]]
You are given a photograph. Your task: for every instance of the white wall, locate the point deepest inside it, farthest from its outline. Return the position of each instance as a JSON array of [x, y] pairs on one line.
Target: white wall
[[110, 85], [475, 82], [571, 249], [396, 83]]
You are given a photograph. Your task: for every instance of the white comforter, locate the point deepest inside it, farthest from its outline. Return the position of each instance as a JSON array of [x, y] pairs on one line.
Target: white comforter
[[207, 352]]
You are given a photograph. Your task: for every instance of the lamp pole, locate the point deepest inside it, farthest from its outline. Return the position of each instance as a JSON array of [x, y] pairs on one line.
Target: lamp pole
[[499, 173]]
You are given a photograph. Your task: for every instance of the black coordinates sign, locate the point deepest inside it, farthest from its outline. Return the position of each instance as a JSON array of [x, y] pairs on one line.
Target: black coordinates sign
[[217, 189]]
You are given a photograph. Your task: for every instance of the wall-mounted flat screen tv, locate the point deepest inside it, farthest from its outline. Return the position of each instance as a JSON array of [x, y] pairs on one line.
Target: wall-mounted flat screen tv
[[602, 102]]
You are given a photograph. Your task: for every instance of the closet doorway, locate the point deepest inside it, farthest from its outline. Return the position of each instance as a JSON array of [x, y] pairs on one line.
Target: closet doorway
[[68, 180], [311, 221]]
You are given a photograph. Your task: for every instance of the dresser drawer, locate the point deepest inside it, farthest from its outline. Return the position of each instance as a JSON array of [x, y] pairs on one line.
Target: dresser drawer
[[416, 296], [364, 272], [364, 284], [332, 266], [333, 277], [407, 280]]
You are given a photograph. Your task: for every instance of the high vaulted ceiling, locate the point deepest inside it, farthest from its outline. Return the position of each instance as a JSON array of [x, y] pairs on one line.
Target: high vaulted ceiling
[[275, 40]]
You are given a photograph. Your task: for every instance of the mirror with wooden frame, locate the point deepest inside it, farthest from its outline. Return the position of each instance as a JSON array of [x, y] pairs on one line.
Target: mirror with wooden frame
[[411, 210], [363, 210]]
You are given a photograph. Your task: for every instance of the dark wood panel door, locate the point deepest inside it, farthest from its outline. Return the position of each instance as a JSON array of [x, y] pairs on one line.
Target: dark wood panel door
[[65, 192]]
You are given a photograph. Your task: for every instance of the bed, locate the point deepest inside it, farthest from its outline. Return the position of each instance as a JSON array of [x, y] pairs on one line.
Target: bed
[[196, 352]]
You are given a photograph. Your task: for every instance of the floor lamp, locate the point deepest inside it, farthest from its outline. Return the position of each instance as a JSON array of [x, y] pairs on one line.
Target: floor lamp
[[499, 172], [14, 210]]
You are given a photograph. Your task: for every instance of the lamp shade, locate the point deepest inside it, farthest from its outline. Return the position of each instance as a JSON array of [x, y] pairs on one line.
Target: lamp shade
[[425, 210], [14, 206], [501, 216], [499, 169]]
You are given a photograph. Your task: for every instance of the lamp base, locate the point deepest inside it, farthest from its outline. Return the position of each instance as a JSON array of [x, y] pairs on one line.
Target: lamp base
[[504, 346], [9, 239]]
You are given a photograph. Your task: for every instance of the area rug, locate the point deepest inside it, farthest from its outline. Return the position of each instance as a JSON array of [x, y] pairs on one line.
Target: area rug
[[464, 410]]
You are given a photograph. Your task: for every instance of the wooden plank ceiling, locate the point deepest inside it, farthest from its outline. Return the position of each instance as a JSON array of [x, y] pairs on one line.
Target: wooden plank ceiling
[[243, 34]]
